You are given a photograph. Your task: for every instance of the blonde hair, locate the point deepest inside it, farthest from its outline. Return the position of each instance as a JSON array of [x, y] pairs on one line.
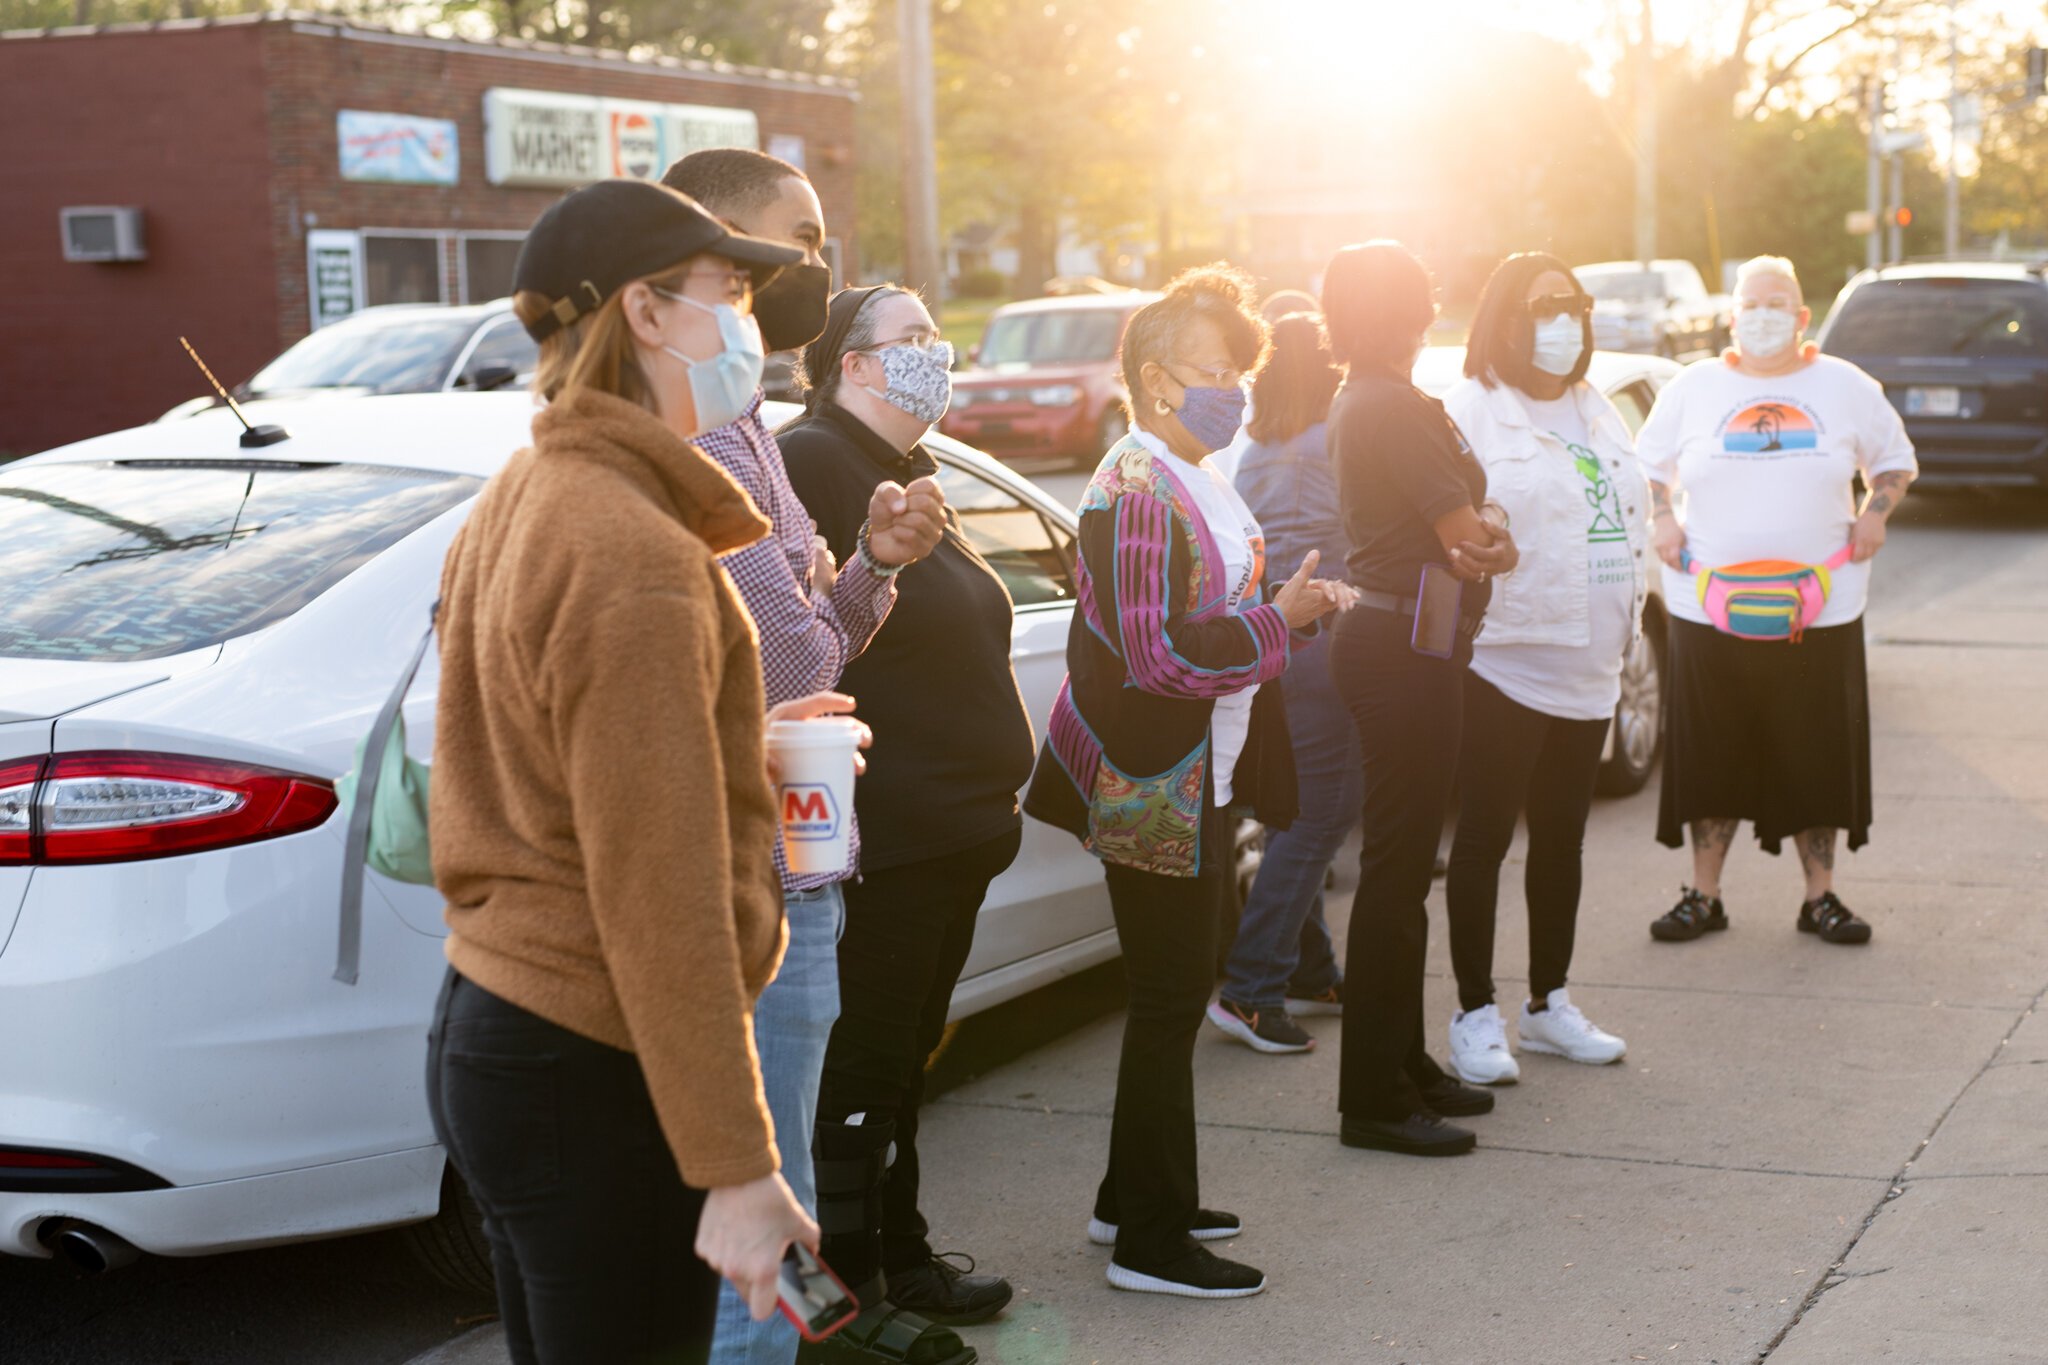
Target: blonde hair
[[1765, 265], [596, 351]]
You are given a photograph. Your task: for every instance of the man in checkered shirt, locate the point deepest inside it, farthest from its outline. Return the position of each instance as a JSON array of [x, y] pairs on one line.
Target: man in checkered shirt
[[812, 617]]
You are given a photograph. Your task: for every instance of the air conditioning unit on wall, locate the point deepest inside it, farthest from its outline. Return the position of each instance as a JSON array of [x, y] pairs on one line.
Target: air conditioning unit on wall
[[103, 234]]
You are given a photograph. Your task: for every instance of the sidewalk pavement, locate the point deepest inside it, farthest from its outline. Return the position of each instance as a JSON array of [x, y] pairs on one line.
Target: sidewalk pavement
[[1811, 1153]]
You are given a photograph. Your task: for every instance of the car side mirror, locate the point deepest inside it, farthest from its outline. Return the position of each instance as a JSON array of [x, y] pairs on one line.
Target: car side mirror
[[489, 377]]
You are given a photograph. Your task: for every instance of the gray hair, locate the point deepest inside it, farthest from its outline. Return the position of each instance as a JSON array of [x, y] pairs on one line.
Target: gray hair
[[818, 376], [1765, 265]]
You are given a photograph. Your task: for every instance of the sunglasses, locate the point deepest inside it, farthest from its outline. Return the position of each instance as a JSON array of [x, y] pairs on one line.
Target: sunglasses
[[1559, 305]]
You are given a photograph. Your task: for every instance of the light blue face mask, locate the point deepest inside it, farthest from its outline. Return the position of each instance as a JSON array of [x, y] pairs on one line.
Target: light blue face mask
[[723, 385]]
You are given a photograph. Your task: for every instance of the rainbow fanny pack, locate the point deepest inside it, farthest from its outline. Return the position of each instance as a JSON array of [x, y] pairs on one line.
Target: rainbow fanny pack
[[1765, 599]]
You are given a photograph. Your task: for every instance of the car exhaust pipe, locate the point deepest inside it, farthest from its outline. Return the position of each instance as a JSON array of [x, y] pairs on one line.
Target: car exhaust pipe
[[91, 1249]]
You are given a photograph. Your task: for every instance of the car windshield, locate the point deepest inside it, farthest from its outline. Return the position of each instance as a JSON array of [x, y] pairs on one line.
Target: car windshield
[[1943, 317], [1052, 336], [1635, 286], [147, 559], [383, 355]]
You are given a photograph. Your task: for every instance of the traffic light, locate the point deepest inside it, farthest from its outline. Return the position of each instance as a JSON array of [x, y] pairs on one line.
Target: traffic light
[[2037, 72], [1902, 216]]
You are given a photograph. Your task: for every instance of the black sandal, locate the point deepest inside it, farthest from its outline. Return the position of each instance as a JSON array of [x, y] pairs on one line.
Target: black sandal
[[1833, 921], [1695, 914]]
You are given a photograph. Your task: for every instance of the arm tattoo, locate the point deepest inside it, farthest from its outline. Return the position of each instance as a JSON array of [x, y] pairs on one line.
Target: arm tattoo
[[1817, 848], [1887, 490], [1713, 833], [1660, 499]]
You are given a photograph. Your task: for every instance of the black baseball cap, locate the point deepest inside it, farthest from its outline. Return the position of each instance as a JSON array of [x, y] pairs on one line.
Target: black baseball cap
[[594, 241]]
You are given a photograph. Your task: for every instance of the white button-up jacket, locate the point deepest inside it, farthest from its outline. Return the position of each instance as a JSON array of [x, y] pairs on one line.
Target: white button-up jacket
[[1531, 474]]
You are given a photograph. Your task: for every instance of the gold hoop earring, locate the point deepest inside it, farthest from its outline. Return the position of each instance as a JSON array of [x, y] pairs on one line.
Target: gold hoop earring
[[1162, 407]]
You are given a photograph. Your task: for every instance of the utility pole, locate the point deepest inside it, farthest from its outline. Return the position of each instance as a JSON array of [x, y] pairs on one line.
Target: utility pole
[[1646, 139], [1892, 230], [1874, 176], [1951, 225], [921, 265]]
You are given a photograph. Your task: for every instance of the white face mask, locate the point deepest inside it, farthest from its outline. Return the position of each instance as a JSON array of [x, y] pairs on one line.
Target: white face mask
[[723, 385], [1765, 331], [1560, 341]]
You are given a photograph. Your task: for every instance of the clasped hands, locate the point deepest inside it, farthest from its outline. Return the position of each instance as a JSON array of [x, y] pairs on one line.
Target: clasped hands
[[1477, 561], [1304, 599]]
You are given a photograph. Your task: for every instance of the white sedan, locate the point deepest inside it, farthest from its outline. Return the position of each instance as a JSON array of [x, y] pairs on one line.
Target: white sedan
[[195, 636]]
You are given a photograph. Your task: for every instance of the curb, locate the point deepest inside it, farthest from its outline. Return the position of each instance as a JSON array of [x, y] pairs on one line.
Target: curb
[[481, 1346]]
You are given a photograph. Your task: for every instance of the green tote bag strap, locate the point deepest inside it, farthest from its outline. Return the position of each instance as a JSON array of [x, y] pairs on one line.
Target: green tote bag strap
[[355, 851]]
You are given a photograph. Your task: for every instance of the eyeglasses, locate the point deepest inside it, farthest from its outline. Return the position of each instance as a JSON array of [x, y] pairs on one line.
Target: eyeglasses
[[1559, 305], [1224, 378], [739, 284], [916, 341]]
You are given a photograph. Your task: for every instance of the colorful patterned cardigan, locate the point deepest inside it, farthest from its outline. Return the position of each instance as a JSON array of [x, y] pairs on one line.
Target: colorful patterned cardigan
[[1153, 645]]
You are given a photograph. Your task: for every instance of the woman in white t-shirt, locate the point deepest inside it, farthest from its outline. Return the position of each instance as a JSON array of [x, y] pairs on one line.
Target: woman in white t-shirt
[[1760, 448], [1546, 671]]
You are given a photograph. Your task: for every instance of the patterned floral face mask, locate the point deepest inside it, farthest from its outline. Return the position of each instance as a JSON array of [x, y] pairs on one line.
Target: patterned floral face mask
[[920, 379]]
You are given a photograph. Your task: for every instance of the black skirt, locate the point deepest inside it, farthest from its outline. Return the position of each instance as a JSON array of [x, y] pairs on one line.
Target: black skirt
[[1761, 730]]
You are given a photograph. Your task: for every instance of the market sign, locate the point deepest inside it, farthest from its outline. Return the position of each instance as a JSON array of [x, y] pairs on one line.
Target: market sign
[[538, 137], [397, 148]]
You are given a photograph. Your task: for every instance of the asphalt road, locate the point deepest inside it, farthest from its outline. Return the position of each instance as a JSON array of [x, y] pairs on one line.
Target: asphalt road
[[361, 1302]]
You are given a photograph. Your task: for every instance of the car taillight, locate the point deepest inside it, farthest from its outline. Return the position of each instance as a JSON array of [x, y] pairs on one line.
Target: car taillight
[[117, 807], [17, 802]]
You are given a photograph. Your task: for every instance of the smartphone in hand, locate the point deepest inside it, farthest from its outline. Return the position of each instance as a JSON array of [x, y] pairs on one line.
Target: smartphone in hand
[[811, 1296]]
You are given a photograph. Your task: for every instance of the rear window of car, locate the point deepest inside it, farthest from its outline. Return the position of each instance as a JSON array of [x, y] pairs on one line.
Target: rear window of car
[[380, 355], [1942, 317], [1052, 336], [146, 559]]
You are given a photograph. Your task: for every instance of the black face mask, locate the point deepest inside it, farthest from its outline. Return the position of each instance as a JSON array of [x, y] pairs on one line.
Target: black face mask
[[791, 310]]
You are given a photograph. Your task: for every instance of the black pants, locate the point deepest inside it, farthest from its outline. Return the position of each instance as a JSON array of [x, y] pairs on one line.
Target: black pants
[[1516, 759], [592, 1229], [908, 932], [1167, 927], [1409, 710]]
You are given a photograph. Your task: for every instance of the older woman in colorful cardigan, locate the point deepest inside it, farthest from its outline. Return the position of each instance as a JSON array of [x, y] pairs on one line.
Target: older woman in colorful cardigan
[[1163, 723]]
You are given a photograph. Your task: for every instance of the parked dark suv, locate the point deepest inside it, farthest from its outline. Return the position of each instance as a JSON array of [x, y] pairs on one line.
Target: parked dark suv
[[1962, 351]]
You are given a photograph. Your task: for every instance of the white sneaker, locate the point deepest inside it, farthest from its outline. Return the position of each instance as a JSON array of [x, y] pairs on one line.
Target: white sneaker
[[1479, 1048], [1564, 1032]]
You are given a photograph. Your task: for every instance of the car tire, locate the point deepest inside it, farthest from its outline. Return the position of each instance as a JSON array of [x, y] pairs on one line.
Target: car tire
[[1639, 718], [451, 1245]]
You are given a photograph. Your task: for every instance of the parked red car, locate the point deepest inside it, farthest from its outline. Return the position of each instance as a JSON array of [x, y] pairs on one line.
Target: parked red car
[[1043, 383]]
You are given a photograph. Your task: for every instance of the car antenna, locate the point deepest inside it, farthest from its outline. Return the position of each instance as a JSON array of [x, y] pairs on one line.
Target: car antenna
[[252, 435]]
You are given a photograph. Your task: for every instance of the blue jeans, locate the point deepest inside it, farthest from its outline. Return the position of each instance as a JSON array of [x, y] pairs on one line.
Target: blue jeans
[[1282, 938], [792, 1023]]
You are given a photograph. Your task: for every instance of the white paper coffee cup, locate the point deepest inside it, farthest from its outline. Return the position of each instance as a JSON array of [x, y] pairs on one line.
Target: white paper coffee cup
[[815, 795]]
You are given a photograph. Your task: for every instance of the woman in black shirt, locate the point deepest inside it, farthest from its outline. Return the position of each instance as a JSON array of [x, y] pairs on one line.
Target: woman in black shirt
[[1412, 495], [938, 805]]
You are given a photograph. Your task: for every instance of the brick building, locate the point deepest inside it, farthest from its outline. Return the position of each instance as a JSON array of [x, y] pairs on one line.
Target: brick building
[[290, 168]]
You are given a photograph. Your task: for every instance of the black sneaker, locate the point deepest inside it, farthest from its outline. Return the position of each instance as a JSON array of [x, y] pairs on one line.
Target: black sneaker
[[949, 1294], [1695, 914], [1450, 1096], [1265, 1030], [1422, 1133], [1833, 921], [1328, 1002], [1198, 1273], [1209, 1226]]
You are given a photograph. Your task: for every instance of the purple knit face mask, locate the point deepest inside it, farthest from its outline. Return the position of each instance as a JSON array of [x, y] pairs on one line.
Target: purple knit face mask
[[1212, 415]]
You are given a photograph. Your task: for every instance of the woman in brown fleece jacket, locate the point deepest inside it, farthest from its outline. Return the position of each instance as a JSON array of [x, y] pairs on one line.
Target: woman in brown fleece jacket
[[602, 818]]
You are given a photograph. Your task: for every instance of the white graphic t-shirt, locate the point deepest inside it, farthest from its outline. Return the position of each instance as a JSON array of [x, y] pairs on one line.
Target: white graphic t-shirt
[[1570, 681], [1764, 469], [1243, 548]]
